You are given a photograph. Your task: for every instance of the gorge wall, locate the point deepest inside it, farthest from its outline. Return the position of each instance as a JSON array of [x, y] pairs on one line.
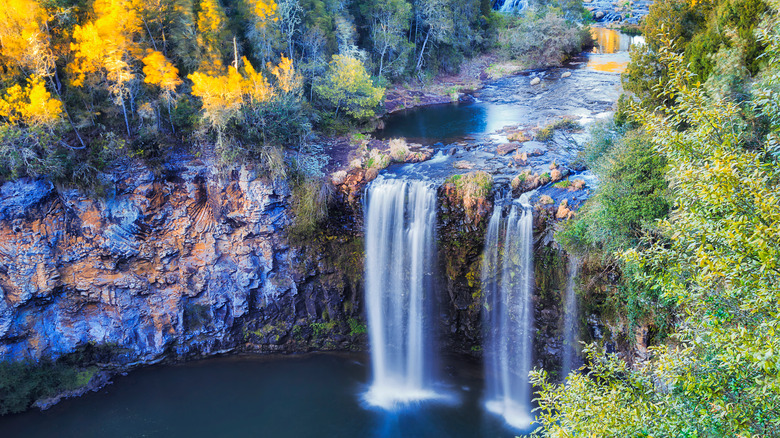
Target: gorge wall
[[182, 265]]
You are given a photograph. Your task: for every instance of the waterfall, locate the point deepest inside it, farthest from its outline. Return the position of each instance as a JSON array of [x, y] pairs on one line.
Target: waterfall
[[507, 282], [570, 319], [510, 6], [400, 222]]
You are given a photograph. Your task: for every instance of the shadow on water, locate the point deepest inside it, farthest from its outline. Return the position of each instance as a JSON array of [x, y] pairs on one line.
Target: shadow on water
[[314, 395]]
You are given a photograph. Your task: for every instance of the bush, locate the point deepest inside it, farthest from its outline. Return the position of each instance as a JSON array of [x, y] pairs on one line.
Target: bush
[[309, 206], [541, 38], [22, 383]]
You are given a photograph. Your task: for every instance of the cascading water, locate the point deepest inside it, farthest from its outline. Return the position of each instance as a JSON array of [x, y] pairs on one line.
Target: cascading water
[[570, 318], [513, 6], [507, 281], [400, 222]]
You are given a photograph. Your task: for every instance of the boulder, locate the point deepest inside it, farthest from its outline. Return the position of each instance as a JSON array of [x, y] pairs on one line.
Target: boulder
[[463, 165], [536, 81], [338, 178], [566, 74], [506, 148]]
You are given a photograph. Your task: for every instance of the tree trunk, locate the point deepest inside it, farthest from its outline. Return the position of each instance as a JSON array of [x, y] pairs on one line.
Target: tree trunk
[[422, 51], [124, 111]]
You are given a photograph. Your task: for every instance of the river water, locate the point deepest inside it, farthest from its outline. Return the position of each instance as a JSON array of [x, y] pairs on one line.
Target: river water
[[302, 396]]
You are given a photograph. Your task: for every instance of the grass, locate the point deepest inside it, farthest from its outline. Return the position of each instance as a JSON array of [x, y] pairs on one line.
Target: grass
[[564, 124]]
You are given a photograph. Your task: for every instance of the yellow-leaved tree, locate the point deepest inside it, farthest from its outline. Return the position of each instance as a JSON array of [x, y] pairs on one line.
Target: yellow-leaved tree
[[24, 39], [237, 93], [262, 30], [212, 35], [161, 72], [105, 49], [31, 105]]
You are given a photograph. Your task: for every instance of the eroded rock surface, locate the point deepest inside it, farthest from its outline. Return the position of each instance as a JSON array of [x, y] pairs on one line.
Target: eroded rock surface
[[181, 265]]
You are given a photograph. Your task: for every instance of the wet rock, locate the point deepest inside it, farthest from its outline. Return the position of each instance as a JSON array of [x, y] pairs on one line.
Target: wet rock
[[546, 200], [535, 81], [463, 165], [566, 74], [563, 210], [521, 159], [598, 15], [506, 148], [577, 184]]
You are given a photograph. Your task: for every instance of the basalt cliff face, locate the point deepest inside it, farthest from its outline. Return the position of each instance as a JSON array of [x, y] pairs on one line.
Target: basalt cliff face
[[181, 265]]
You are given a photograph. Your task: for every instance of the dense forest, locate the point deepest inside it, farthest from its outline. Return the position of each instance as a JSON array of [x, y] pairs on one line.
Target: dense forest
[[88, 83], [687, 218]]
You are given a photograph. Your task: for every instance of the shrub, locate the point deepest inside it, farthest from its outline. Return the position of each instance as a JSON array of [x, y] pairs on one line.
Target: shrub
[[21, 383], [541, 38]]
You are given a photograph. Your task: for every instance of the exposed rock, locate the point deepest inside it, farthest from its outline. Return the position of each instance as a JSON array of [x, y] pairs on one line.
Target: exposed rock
[[170, 266], [535, 81], [563, 210], [546, 200], [338, 177], [371, 174], [556, 175], [577, 184], [506, 148], [463, 165], [598, 15], [521, 159], [566, 74]]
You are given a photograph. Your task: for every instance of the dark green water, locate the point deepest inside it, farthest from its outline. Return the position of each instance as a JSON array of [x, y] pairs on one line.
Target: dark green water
[[449, 122], [316, 395]]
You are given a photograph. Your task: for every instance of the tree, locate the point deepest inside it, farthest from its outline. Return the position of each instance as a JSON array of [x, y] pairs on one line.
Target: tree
[[32, 105], [348, 86], [263, 29], [212, 35], [105, 49], [159, 71], [24, 39], [389, 21]]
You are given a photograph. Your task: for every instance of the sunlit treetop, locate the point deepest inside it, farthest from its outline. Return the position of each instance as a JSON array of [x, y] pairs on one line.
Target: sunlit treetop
[[106, 44], [24, 41], [31, 105], [287, 79], [159, 71], [265, 10]]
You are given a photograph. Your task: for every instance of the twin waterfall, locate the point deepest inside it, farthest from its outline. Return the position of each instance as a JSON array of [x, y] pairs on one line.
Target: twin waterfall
[[507, 283], [400, 238], [400, 225]]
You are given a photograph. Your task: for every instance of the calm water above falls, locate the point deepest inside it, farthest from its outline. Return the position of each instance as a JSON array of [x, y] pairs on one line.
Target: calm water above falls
[[316, 395]]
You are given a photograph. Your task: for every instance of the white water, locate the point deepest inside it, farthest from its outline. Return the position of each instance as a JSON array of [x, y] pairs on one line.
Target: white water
[[507, 282], [400, 222], [513, 5], [570, 319]]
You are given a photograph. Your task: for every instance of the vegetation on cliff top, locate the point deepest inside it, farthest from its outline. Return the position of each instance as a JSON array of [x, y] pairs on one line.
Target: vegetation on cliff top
[[87, 83]]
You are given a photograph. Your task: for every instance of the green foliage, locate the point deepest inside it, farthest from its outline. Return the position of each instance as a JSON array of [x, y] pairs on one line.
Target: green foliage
[[356, 327], [347, 86], [564, 124], [542, 37], [309, 207], [21, 383], [718, 261]]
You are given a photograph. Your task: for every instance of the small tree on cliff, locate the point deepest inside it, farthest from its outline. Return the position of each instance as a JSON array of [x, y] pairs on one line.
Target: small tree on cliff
[[347, 86]]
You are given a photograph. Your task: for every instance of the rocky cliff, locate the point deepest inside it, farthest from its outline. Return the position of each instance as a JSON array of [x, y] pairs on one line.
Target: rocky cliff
[[182, 264]]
